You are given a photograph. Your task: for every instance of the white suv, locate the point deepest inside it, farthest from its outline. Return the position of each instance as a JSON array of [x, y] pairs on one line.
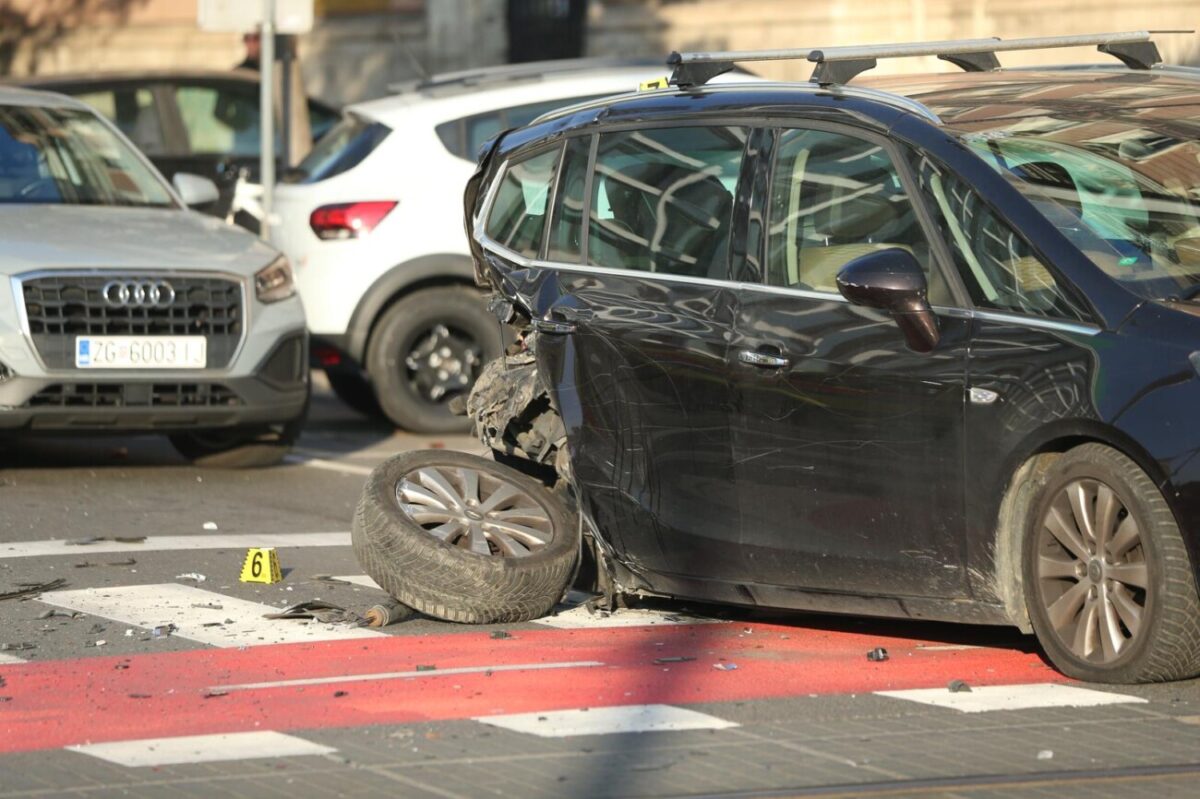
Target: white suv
[[372, 222]]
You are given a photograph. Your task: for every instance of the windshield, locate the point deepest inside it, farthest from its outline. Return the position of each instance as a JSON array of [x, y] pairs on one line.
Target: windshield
[[1127, 196], [67, 156]]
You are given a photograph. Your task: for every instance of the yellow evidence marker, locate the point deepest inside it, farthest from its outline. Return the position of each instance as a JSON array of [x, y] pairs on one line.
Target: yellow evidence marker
[[261, 566], [657, 83]]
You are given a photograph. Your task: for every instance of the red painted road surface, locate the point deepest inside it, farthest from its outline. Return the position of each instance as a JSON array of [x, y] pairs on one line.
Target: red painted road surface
[[60, 703]]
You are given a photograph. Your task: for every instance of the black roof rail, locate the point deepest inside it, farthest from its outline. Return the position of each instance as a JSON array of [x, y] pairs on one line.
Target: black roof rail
[[834, 65]]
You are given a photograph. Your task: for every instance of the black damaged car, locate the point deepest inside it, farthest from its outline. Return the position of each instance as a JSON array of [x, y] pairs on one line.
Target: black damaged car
[[926, 350]]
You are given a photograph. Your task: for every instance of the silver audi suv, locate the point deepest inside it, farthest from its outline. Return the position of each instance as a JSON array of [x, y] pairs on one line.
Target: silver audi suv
[[123, 310]]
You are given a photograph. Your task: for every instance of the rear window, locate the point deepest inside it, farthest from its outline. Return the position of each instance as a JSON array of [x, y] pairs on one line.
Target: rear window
[[346, 145], [463, 137]]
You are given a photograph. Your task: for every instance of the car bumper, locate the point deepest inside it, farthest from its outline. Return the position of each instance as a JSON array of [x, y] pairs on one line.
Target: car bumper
[[266, 383]]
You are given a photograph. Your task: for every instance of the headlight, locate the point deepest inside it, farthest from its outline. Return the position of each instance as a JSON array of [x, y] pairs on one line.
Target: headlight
[[274, 282]]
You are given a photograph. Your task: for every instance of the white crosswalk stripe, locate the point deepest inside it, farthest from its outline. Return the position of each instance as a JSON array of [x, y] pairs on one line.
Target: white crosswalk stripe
[[7, 659], [981, 699], [202, 749], [168, 543], [606, 721], [199, 615]]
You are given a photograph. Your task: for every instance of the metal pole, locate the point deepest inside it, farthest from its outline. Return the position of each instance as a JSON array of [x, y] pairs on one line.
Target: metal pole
[[266, 101]]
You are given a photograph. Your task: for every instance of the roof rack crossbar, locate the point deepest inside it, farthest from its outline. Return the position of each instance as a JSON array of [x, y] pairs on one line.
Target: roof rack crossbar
[[1134, 48]]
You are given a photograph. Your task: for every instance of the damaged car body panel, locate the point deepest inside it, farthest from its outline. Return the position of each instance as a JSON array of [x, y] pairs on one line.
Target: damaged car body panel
[[736, 429]]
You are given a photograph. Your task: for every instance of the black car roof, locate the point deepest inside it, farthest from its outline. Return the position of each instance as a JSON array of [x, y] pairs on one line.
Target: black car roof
[[959, 101]]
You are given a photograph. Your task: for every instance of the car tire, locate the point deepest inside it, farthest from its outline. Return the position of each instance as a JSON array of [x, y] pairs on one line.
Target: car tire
[[450, 323], [445, 574], [355, 392], [1109, 586]]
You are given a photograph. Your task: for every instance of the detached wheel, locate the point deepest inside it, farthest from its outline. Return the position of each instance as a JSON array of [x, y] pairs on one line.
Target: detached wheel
[[238, 448], [426, 349], [1110, 588], [464, 539]]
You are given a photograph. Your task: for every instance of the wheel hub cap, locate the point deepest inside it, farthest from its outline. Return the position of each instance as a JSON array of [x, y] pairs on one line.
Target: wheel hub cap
[[475, 510], [442, 362], [1091, 573]]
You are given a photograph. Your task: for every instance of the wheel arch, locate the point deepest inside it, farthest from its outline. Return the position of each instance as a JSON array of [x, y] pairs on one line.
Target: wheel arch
[[427, 271], [1017, 487]]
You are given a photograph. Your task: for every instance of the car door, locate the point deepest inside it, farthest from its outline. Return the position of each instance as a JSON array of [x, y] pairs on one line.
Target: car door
[[634, 309], [848, 446], [1033, 361]]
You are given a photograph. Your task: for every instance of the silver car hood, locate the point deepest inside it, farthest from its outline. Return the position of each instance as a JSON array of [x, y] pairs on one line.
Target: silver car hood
[[37, 237]]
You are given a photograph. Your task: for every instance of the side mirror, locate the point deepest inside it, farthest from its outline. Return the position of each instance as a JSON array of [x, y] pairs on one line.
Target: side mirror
[[195, 190], [891, 280]]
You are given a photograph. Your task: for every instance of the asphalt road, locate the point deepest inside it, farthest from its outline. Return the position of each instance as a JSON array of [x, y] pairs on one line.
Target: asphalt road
[[670, 699]]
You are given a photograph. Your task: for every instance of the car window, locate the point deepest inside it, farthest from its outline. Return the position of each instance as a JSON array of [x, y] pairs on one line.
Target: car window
[[999, 268], [350, 141], [321, 120], [518, 216], [566, 226], [662, 200], [219, 120], [478, 130], [463, 137], [134, 112], [1125, 195], [69, 156], [834, 198]]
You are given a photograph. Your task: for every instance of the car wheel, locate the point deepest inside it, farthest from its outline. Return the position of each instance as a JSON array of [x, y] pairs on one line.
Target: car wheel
[[464, 539], [354, 391], [1110, 589], [426, 349]]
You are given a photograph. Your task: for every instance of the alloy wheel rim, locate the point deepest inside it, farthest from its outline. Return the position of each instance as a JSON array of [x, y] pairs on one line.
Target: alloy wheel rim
[[442, 362], [474, 510], [1093, 579]]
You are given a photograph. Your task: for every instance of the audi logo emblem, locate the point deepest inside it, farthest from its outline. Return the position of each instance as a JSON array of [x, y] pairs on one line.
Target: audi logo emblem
[[138, 293]]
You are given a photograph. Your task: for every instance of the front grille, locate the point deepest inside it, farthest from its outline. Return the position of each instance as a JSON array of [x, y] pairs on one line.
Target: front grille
[[61, 307], [134, 395]]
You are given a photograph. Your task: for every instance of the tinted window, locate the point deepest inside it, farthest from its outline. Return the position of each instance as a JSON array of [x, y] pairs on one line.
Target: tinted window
[[998, 267], [566, 229], [518, 215], [69, 156], [463, 137], [662, 200], [134, 111], [344, 148], [321, 120], [834, 198], [219, 120]]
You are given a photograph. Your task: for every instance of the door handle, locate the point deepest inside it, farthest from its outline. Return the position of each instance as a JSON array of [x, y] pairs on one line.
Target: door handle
[[764, 359]]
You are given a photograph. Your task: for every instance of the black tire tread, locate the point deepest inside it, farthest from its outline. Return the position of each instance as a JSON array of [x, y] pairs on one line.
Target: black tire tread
[[448, 583], [396, 400]]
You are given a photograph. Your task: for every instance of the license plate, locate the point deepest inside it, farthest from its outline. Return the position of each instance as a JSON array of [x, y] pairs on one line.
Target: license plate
[[141, 352]]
